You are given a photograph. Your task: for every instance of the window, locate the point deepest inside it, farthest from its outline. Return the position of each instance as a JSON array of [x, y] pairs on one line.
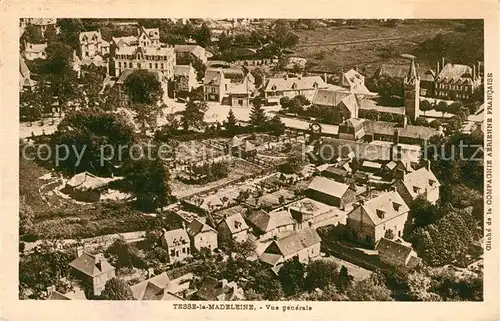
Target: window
[[162, 66], [183, 250], [172, 252], [119, 64], [240, 102], [130, 65], [150, 65], [416, 189], [138, 65], [156, 65]]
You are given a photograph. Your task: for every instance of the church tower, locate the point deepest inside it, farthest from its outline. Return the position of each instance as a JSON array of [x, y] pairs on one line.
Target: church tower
[[411, 86]]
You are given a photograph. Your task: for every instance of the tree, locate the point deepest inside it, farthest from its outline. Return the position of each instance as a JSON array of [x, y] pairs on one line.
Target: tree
[[120, 251], [194, 115], [389, 234], [441, 107], [231, 122], [265, 283], [425, 105], [276, 126], [116, 289], [50, 34], [344, 279], [436, 124], [258, 118], [285, 102], [26, 217], [320, 274], [293, 164], [203, 35], [295, 106], [259, 76], [388, 88], [93, 139], [421, 121], [368, 290], [291, 276], [148, 180]]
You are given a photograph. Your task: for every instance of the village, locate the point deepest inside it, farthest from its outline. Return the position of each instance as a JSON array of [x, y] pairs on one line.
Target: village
[[280, 181]]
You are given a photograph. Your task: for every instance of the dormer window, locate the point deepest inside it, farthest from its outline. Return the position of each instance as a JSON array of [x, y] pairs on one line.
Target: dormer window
[[396, 206], [294, 86], [431, 182], [416, 189], [273, 87], [315, 85], [380, 214]]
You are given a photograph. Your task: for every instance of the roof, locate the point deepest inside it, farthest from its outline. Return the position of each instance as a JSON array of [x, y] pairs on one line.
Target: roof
[[328, 186], [270, 258], [389, 128], [91, 265], [152, 33], [356, 82], [454, 72], [86, 180], [329, 97], [37, 47], [150, 51], [361, 150], [371, 164], [412, 72], [194, 49], [420, 179], [295, 83], [151, 289], [296, 241], [128, 41], [55, 295], [393, 248], [23, 68], [266, 222], [196, 227], [340, 171], [176, 237], [183, 70], [43, 21], [368, 104], [213, 77], [385, 203], [90, 36], [235, 223]]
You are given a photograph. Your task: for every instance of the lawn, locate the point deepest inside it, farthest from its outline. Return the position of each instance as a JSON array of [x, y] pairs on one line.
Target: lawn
[[318, 45]]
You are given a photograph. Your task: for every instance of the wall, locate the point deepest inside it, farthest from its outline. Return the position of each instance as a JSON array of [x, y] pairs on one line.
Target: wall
[[396, 224], [205, 240], [360, 223]]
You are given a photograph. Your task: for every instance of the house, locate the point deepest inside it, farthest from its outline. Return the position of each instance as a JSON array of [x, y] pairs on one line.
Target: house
[[456, 81], [344, 103], [213, 290], [397, 254], [25, 81], [202, 235], [214, 85], [330, 192], [86, 187], [338, 174], [92, 44], [419, 183], [161, 287], [241, 92], [370, 166], [395, 168], [41, 24], [177, 244], [184, 51], [277, 88], [125, 41], [234, 228], [34, 51], [148, 37], [161, 59], [268, 225], [308, 212], [370, 220], [120, 83], [184, 80], [76, 294], [355, 82], [93, 270], [303, 244]]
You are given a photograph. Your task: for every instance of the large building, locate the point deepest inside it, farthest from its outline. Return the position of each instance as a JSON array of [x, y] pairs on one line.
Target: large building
[[457, 81], [330, 192], [268, 225], [177, 244], [277, 88], [370, 220], [92, 44], [144, 52], [419, 183]]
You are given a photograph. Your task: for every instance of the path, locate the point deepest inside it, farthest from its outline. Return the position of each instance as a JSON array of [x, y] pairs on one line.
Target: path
[[348, 42]]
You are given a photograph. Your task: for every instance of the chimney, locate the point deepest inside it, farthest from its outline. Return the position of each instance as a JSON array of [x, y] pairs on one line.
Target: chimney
[[326, 78], [50, 289], [183, 225], [442, 62], [405, 121], [473, 72], [428, 165], [396, 136], [356, 67], [79, 251], [286, 76], [437, 68], [151, 272]]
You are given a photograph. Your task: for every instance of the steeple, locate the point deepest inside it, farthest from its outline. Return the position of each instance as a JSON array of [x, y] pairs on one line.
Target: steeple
[[411, 85], [412, 73]]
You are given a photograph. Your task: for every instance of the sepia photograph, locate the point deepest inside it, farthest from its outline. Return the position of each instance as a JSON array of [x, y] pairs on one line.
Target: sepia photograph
[[253, 159]]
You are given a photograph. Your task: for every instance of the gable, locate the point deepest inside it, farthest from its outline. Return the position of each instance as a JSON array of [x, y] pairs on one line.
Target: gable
[[359, 214]]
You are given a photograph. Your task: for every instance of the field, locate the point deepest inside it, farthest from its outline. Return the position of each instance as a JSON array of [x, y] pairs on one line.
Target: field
[[366, 46]]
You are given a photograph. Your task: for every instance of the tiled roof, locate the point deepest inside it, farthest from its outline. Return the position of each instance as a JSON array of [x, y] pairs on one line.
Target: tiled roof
[[270, 258], [151, 289], [328, 186], [266, 222], [183, 70], [394, 71], [176, 237], [368, 104], [389, 128], [298, 240], [196, 227], [454, 72], [420, 179], [235, 223], [295, 83], [213, 77], [91, 265], [194, 49], [128, 41], [385, 204], [329, 97], [340, 171], [393, 248]]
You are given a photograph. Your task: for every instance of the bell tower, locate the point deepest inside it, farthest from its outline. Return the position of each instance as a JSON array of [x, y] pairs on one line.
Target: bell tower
[[411, 86]]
